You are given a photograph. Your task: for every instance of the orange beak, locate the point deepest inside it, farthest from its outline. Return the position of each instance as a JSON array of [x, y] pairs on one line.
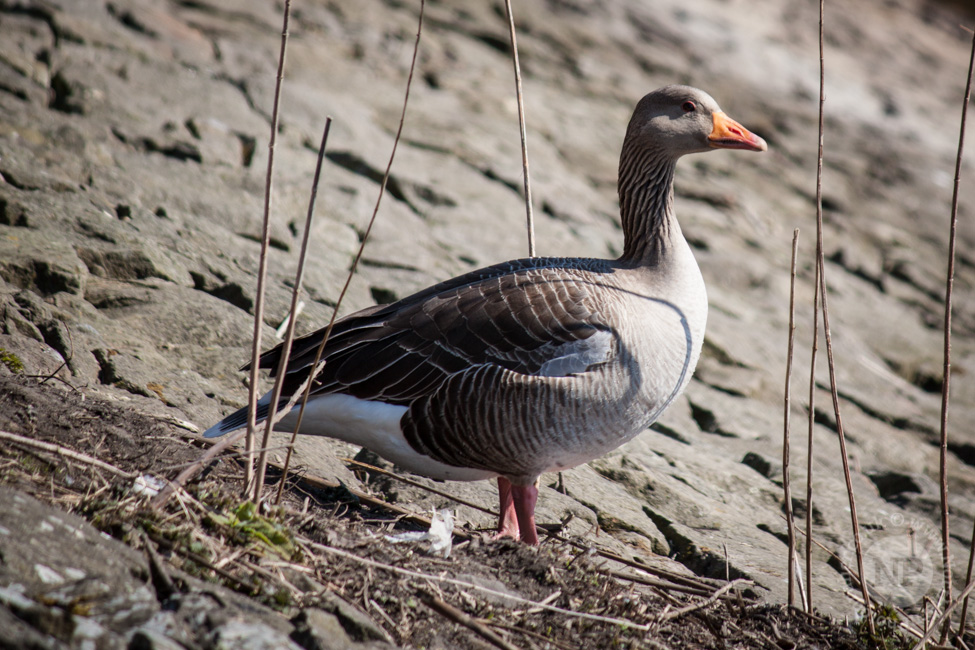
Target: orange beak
[[728, 134]]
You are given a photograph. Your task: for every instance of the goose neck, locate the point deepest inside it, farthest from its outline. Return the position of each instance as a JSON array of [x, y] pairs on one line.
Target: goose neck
[[646, 192]]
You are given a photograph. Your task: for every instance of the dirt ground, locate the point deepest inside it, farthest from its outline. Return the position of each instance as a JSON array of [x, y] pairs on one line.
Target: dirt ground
[[288, 571]]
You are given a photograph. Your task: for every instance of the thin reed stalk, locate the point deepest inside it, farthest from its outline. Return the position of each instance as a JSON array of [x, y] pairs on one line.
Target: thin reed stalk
[[289, 336], [820, 262], [786, 487], [372, 220], [521, 124], [311, 208], [262, 264], [815, 332], [811, 429], [947, 352]]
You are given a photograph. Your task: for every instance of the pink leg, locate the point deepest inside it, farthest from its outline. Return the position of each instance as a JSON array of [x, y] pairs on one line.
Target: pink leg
[[524, 498], [508, 522]]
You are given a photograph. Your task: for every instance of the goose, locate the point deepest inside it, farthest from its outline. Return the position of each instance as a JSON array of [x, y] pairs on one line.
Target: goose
[[532, 365]]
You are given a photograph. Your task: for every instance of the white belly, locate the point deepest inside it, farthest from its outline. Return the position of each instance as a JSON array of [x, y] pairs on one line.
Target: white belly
[[375, 426]]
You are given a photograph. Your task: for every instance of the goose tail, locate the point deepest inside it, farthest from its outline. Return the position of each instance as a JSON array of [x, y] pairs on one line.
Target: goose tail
[[238, 419]]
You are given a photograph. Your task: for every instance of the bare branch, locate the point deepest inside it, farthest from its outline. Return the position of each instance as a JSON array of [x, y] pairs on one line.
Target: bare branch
[[65, 453]]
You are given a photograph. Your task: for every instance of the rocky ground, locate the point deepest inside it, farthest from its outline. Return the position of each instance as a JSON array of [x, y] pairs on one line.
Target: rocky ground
[[133, 147]]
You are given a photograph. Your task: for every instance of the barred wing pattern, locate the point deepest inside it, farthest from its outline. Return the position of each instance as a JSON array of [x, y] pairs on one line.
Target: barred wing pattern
[[532, 316]]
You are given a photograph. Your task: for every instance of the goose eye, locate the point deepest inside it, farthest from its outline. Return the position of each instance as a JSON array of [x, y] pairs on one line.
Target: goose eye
[[688, 107]]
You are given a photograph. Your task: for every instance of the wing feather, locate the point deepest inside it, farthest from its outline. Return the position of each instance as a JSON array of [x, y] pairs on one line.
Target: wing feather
[[533, 317]]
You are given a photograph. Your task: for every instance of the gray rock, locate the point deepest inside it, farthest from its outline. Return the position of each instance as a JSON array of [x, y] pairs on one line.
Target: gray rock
[[64, 584], [54, 561], [357, 625], [15, 632], [247, 635], [143, 639]]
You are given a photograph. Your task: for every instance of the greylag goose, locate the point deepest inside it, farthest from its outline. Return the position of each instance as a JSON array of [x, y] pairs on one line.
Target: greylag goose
[[532, 365]]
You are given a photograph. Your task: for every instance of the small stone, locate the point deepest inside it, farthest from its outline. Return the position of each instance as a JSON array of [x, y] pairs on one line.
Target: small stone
[[143, 639], [241, 635], [319, 630], [356, 623]]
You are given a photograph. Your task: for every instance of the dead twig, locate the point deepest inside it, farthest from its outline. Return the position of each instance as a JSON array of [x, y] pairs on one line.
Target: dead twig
[[202, 561], [945, 615], [294, 315], [262, 263], [158, 575], [697, 582], [521, 125], [906, 624], [64, 452], [820, 262], [417, 484], [707, 602], [664, 585], [65, 362], [45, 378], [786, 487], [289, 336], [452, 613], [376, 502], [528, 633], [470, 586], [947, 352], [160, 499]]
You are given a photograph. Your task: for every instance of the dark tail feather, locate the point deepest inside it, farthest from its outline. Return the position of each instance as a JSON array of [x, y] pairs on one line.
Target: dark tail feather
[[236, 420]]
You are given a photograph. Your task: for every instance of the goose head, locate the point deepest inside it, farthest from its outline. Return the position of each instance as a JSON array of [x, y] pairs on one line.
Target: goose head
[[678, 120]]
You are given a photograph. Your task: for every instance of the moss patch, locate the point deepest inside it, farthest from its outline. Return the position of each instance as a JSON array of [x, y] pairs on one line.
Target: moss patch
[[12, 361]]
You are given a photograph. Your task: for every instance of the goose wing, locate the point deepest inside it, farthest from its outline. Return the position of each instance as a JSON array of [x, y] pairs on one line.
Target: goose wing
[[534, 316]]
